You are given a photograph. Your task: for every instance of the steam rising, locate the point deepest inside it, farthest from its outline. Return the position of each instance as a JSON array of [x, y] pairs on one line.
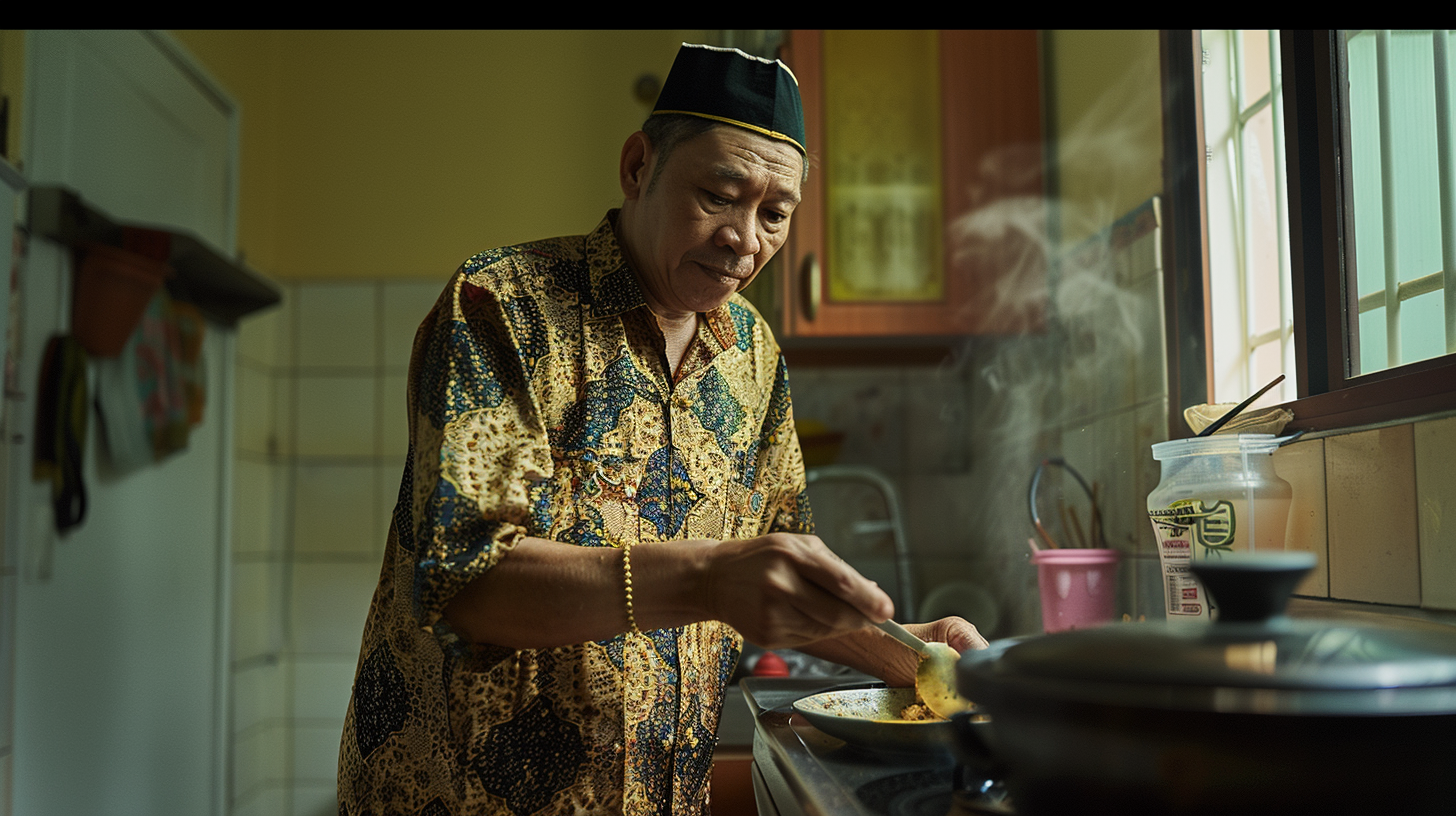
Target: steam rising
[[1089, 329]]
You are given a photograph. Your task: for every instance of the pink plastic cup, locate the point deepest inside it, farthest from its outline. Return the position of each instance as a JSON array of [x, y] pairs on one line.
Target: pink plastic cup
[[1078, 587]]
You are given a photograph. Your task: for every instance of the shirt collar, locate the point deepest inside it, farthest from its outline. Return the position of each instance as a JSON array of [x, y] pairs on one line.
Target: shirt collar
[[615, 290]]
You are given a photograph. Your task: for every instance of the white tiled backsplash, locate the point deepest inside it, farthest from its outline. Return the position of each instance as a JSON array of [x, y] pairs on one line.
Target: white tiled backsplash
[[1371, 504]]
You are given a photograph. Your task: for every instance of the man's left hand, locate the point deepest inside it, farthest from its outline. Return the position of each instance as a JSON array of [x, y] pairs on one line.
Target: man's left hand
[[874, 652], [958, 633]]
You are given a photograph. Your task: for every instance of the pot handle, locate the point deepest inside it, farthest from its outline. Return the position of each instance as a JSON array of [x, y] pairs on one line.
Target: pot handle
[[1253, 587], [972, 747]]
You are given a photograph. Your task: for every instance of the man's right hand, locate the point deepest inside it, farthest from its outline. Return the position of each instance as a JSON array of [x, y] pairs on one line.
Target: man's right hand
[[784, 590]]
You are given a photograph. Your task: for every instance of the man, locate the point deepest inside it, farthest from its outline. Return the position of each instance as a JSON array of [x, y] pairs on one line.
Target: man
[[605, 494]]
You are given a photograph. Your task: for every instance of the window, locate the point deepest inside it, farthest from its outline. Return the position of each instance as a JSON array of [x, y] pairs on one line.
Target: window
[[1351, 299], [1398, 81], [1248, 216]]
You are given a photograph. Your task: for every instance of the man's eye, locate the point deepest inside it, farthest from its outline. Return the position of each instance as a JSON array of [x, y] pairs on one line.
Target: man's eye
[[716, 200]]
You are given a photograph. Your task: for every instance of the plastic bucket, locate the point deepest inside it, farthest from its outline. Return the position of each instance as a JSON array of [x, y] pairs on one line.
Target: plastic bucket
[[1078, 587]]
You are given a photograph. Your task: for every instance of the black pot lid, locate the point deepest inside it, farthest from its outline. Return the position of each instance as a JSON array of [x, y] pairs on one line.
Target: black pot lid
[[1251, 646], [1277, 655]]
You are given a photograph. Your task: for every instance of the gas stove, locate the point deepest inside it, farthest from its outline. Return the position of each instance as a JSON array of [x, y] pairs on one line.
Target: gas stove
[[801, 771]]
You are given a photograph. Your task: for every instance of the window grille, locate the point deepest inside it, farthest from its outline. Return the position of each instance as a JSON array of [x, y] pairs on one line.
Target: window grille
[[1403, 179]]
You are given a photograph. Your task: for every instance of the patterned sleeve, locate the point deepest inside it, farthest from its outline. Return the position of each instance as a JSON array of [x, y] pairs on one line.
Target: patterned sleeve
[[783, 462], [476, 444]]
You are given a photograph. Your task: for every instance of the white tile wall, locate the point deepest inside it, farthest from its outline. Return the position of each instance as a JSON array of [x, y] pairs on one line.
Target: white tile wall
[[260, 695], [336, 415], [1373, 545], [329, 602], [337, 325], [316, 752], [257, 599], [324, 436], [867, 404], [258, 505], [393, 415], [335, 509], [273, 800], [260, 759], [1435, 444], [314, 799], [935, 419], [405, 304], [321, 689], [256, 405], [387, 475], [1302, 464], [285, 413], [262, 337], [943, 512]]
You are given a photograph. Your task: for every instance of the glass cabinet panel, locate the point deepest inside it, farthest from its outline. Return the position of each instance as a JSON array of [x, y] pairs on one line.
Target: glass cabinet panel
[[882, 149]]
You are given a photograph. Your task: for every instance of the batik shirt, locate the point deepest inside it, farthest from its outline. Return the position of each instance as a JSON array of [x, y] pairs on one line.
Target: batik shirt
[[541, 404]]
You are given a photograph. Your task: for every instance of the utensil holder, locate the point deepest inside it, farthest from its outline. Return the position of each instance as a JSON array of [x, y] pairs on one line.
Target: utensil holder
[[1078, 587]]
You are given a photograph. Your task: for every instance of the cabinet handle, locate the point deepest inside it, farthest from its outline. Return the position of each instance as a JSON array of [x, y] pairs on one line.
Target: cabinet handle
[[813, 286]]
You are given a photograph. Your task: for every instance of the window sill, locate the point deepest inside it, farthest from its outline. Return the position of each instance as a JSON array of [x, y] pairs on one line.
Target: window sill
[[1399, 395]]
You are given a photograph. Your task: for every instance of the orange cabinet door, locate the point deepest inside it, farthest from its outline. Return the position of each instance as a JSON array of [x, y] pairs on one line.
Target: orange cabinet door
[[925, 225]]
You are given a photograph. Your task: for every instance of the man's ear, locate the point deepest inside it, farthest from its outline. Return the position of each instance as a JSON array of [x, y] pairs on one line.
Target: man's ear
[[636, 165]]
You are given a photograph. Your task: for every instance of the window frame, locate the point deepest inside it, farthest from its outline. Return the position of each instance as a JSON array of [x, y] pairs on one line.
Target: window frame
[[1321, 218]]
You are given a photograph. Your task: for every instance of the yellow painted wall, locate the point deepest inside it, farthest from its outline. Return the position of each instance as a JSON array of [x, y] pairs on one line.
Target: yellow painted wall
[[399, 154], [370, 154], [1105, 100]]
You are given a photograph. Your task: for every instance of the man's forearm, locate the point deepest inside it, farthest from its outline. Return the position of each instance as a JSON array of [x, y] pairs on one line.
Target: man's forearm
[[778, 590], [544, 593]]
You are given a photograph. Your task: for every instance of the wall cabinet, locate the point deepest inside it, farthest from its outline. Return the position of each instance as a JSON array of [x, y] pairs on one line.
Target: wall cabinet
[[923, 212]]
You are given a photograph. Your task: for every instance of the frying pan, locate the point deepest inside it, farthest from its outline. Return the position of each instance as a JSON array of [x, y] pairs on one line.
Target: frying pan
[[870, 718]]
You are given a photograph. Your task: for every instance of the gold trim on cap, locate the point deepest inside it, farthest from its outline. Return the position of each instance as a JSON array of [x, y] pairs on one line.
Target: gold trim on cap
[[772, 134]]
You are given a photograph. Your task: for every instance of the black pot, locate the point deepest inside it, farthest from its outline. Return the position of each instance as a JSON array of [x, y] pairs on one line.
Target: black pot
[[1254, 713]]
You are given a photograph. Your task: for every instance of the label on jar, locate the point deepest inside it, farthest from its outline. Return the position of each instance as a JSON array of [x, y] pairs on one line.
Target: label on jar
[[1180, 528]]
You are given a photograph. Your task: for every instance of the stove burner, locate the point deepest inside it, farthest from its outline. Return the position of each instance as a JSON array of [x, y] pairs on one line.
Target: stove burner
[[917, 793], [921, 803], [975, 792]]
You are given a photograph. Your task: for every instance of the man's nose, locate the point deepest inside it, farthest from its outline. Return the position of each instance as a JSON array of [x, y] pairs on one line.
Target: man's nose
[[739, 235]]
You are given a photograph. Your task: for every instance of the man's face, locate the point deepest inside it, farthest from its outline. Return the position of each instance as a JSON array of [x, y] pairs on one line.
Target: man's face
[[716, 214]]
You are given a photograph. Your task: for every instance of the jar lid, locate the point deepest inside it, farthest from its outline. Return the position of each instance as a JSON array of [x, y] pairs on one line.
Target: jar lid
[[1217, 445]]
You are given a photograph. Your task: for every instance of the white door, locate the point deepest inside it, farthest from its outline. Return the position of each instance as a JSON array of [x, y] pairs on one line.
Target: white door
[[121, 646]]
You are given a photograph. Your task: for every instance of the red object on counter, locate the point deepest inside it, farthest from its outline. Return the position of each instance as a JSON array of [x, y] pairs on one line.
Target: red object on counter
[[770, 665]]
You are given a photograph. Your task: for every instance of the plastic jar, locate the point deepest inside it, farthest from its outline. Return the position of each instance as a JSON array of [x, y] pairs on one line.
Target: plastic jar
[[1218, 494]]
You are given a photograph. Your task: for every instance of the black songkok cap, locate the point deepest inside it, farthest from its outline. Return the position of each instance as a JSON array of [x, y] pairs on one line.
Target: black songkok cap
[[730, 86]]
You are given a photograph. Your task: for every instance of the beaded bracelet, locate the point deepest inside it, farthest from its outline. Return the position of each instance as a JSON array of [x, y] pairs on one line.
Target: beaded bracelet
[[627, 579]]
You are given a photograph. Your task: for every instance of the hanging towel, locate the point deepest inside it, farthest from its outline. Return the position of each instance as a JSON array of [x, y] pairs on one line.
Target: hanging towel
[[169, 364], [119, 406], [60, 428], [153, 392]]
